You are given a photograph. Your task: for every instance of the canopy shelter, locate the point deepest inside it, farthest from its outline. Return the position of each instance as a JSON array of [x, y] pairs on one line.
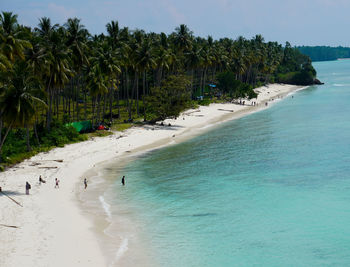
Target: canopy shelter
[[81, 126]]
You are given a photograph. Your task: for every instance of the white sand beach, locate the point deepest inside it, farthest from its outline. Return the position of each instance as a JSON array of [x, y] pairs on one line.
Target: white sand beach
[[50, 228]]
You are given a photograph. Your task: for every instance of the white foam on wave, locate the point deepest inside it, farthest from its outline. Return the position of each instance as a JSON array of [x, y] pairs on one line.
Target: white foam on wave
[[106, 207], [121, 251], [293, 92], [340, 85]]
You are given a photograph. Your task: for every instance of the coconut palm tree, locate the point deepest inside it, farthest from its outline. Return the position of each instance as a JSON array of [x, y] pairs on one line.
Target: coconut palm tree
[[19, 102], [11, 43], [145, 61], [77, 43], [57, 60]]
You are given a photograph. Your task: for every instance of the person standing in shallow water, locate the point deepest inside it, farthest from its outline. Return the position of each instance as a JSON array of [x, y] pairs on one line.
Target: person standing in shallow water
[[123, 180], [85, 183]]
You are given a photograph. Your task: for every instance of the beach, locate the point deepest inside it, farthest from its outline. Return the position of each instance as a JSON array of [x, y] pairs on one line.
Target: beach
[[49, 227]]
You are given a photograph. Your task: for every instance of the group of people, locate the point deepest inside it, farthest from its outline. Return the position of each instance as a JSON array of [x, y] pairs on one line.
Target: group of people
[[57, 183], [41, 181]]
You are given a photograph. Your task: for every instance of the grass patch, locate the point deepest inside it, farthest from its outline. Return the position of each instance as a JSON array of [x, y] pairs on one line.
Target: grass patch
[[99, 133], [121, 126]]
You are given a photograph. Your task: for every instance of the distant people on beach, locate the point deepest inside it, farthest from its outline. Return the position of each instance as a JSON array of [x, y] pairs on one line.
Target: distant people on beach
[[41, 180], [57, 183], [28, 186], [123, 180], [85, 183]]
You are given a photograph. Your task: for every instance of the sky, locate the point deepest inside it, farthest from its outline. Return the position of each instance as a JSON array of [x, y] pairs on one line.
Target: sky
[[301, 22]]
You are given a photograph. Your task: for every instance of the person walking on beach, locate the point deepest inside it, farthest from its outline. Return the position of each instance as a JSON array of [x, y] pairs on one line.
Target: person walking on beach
[[57, 183], [41, 180], [123, 180], [85, 183], [28, 186]]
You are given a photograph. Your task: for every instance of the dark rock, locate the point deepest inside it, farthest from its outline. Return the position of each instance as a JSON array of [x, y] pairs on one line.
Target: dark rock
[[317, 81]]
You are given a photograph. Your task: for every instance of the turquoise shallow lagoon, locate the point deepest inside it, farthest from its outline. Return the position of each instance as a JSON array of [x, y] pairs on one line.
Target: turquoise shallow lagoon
[[269, 189]]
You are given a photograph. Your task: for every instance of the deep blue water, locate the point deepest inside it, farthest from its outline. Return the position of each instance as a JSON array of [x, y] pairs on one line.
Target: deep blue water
[[269, 189]]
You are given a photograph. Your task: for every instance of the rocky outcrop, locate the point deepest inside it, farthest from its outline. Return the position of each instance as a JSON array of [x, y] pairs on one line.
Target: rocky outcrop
[[317, 81]]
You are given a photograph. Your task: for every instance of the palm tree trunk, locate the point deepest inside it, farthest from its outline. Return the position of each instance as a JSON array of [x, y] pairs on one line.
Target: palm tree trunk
[[98, 109], [127, 95], [111, 103], [3, 140], [143, 96], [85, 105], [104, 106], [27, 139], [77, 101], [93, 104], [36, 132], [0, 128], [137, 92]]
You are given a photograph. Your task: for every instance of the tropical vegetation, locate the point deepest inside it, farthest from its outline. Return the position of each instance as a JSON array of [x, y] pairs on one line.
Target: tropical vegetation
[[56, 74], [325, 53]]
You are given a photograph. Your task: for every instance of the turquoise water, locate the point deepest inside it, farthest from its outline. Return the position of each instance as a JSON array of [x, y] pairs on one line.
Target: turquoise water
[[270, 189]]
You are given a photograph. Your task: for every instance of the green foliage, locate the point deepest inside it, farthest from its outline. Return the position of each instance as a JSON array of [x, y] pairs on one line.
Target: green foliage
[[298, 77], [204, 102], [169, 99], [14, 149], [227, 82], [62, 72], [324, 53], [121, 126], [234, 88]]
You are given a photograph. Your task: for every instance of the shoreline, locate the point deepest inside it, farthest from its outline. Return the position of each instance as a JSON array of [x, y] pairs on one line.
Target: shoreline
[[53, 229]]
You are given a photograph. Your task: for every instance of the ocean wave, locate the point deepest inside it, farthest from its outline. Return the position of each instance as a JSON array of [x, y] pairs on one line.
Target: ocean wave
[[340, 85], [121, 251], [106, 207]]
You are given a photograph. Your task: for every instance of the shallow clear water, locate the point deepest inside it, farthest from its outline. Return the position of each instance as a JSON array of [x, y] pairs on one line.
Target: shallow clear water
[[270, 189]]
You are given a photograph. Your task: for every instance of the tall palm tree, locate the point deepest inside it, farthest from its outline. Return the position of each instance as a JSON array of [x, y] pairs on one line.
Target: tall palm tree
[[11, 43], [193, 60], [77, 43], [58, 62], [18, 103], [183, 38], [145, 61]]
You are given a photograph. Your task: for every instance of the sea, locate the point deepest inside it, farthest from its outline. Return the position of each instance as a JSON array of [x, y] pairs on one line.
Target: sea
[[269, 189]]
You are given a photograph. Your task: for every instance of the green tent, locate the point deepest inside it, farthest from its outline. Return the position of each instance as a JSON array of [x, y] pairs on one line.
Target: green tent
[[81, 126]]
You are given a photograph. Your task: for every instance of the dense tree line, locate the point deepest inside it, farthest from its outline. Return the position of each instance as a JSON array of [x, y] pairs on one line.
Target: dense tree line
[[61, 73], [325, 53]]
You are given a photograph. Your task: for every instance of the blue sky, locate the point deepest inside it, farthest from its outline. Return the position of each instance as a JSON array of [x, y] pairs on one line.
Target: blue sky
[[301, 22]]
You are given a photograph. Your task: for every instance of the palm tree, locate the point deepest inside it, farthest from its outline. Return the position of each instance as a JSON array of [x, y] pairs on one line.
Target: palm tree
[[11, 44], [18, 103], [109, 64], [57, 60], [163, 57], [145, 61], [77, 43], [193, 60], [183, 38]]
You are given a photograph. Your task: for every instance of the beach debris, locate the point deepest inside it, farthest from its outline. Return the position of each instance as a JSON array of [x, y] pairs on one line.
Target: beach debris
[[19, 204], [229, 110], [35, 164], [10, 226], [55, 167]]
